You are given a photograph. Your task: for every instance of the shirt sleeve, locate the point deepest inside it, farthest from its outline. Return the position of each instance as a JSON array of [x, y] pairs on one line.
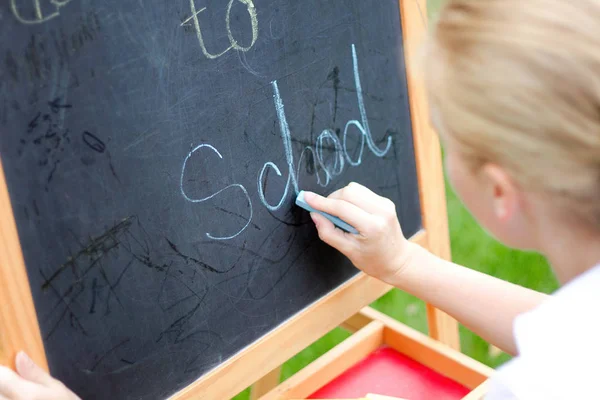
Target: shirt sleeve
[[558, 348]]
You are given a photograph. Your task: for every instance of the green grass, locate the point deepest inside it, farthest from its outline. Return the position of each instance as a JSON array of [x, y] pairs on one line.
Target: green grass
[[433, 6], [472, 247]]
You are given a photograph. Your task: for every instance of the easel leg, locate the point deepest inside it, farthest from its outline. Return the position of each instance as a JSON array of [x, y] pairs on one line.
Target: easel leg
[[443, 327]]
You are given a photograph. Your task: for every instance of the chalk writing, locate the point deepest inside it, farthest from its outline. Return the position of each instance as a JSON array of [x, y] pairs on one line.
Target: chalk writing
[[306, 150], [93, 142], [338, 166], [233, 43], [331, 168], [200, 200], [92, 280], [289, 155], [39, 16], [47, 137], [341, 149], [363, 113]]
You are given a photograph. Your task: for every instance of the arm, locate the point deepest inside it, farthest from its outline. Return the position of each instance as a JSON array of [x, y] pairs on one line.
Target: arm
[[484, 304]]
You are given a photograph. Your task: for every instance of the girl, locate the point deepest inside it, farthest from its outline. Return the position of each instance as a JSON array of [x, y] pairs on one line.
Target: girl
[[514, 90]]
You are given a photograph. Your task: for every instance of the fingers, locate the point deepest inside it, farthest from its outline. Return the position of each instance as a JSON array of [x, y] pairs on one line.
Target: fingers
[[348, 212], [11, 384], [336, 238], [30, 382], [362, 197], [31, 371]]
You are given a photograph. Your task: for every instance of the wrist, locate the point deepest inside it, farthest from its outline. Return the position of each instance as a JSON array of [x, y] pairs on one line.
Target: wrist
[[411, 267]]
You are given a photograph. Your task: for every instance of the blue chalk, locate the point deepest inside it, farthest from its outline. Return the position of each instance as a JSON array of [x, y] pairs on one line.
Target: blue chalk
[[336, 221]]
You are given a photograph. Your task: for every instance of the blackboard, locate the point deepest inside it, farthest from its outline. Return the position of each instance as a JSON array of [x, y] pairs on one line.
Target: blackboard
[[152, 150]]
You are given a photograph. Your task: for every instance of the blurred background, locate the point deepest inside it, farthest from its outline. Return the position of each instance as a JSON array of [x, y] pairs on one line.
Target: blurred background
[[471, 247]]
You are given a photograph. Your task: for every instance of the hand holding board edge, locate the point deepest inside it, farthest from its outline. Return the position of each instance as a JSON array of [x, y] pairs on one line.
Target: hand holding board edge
[[335, 220]]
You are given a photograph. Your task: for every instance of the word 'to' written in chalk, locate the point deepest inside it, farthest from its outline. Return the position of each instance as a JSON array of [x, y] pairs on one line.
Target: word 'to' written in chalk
[[233, 43]]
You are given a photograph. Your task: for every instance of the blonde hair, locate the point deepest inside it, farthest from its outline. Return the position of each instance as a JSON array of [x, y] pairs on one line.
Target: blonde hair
[[517, 83]]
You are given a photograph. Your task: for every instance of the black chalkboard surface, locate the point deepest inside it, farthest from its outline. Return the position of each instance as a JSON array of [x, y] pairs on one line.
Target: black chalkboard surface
[[152, 150]]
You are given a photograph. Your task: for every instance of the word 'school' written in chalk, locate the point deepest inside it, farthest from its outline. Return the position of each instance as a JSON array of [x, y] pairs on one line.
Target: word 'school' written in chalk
[[330, 168]]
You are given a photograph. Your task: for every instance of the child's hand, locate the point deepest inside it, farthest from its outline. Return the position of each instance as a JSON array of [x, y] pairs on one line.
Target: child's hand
[[380, 248], [30, 382]]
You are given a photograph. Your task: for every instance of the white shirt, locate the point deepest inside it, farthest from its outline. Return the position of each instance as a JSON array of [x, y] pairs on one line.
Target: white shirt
[[559, 347]]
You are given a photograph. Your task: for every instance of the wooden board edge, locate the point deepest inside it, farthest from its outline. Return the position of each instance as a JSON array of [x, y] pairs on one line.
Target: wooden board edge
[[425, 350], [437, 356], [331, 364], [19, 329], [420, 341], [430, 174], [283, 342], [430, 352]]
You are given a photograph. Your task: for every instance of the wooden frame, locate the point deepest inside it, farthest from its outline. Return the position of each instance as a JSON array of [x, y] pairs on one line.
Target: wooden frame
[[373, 330], [20, 328], [18, 320]]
